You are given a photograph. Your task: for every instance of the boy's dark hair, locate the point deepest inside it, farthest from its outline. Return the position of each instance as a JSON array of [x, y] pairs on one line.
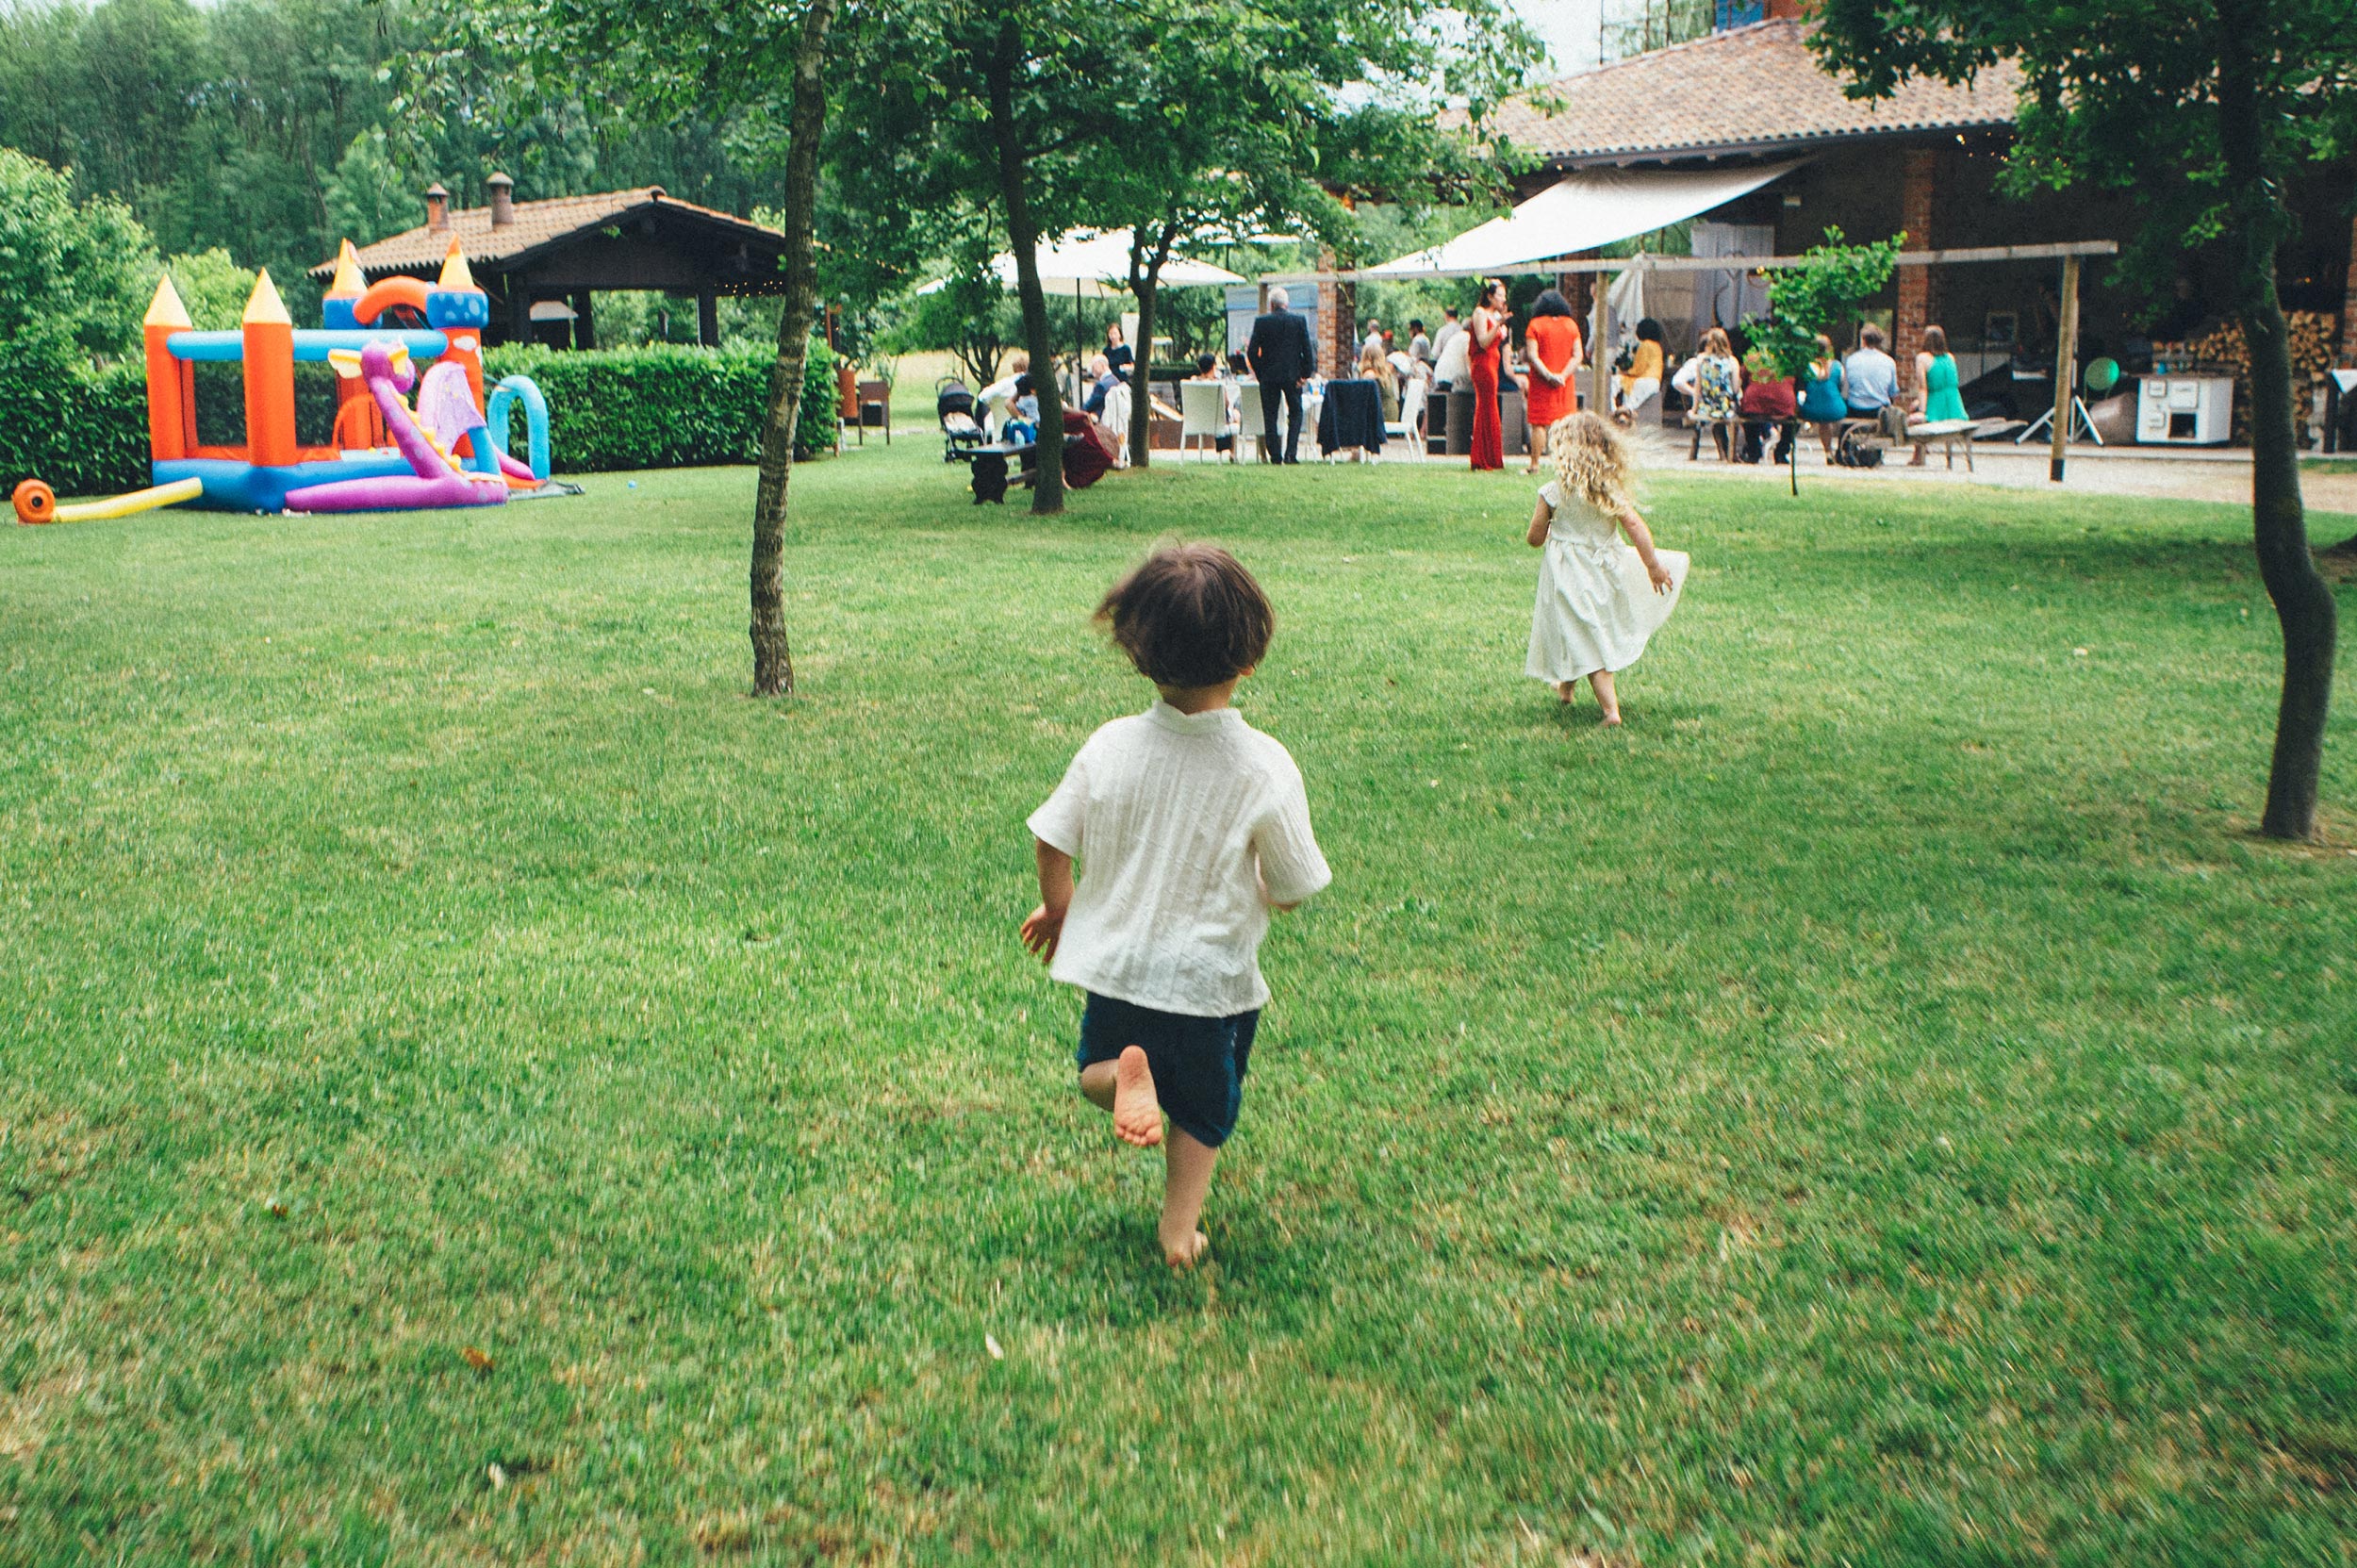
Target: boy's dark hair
[[1023, 387], [1205, 364], [1190, 616]]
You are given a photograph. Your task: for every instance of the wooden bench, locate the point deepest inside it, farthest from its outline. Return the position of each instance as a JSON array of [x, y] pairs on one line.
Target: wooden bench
[[1733, 428], [1945, 435]]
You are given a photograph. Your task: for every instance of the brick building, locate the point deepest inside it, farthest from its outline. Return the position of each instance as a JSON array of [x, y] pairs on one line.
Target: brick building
[[1924, 161]]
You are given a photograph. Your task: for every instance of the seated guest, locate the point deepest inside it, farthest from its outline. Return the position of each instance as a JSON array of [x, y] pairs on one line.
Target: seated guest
[[1641, 380], [995, 397], [1870, 379], [1022, 426], [1208, 368], [1377, 369], [1419, 346], [1117, 356], [1770, 402], [1454, 365], [1101, 380], [1821, 398], [1713, 379], [1936, 398]]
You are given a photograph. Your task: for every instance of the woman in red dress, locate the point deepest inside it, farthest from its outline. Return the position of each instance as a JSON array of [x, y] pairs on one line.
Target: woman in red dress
[[1551, 344], [1488, 440]]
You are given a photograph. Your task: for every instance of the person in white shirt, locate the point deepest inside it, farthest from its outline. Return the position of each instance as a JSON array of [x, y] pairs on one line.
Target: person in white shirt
[[1189, 826], [1455, 363], [996, 396], [1374, 339], [1450, 328]]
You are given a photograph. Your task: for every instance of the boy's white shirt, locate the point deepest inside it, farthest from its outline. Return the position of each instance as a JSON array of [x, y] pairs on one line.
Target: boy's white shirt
[[1178, 821]]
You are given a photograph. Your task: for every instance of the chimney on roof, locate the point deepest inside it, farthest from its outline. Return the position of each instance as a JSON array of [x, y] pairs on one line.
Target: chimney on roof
[[437, 207], [502, 201]]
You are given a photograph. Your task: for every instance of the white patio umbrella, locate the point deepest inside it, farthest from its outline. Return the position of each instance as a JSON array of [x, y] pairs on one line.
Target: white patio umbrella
[[1095, 266]]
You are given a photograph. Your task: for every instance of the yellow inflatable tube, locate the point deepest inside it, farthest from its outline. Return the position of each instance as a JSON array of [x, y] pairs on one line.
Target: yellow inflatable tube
[[36, 503]]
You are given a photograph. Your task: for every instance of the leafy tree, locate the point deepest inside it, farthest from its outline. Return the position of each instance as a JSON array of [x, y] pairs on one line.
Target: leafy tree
[[368, 196], [213, 286], [2204, 109], [770, 74], [74, 276], [1816, 297]]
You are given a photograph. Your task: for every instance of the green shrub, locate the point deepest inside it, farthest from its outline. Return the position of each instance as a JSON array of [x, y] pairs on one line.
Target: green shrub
[[85, 431], [663, 407]]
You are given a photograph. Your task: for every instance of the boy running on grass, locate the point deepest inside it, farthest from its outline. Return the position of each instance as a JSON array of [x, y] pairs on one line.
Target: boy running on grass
[[1190, 826]]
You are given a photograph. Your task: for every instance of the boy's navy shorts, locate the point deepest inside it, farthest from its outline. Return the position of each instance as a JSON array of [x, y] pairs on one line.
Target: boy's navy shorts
[[1198, 1063]]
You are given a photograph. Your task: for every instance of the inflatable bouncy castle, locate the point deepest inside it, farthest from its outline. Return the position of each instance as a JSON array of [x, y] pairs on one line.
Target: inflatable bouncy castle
[[383, 455]]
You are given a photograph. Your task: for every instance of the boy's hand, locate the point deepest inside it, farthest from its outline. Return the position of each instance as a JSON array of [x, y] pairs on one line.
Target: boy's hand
[[1042, 930], [1662, 581]]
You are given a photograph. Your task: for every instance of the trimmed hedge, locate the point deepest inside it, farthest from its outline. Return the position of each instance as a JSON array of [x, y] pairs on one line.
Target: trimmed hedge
[[664, 406], [85, 431]]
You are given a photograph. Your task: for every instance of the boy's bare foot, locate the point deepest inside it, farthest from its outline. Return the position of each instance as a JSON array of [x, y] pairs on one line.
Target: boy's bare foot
[[1187, 1253], [1137, 1114]]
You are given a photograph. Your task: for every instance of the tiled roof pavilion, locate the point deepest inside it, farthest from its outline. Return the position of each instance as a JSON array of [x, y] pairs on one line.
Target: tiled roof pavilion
[[1749, 91], [526, 252]]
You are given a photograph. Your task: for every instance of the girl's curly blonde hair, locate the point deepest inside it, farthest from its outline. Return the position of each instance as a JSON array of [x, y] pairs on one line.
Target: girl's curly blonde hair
[[1591, 462]]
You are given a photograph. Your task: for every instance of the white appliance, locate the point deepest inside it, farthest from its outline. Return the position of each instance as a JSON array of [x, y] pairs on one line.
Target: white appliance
[[2185, 410]]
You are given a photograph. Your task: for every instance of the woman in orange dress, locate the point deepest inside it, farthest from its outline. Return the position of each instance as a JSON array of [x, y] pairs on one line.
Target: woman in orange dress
[[1488, 331], [1551, 344]]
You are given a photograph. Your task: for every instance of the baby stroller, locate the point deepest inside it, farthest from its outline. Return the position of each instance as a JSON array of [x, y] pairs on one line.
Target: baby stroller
[[954, 406]]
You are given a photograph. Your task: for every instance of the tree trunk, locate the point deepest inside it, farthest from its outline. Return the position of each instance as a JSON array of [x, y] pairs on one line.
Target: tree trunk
[[1147, 287], [1023, 235], [773, 659], [2303, 602]]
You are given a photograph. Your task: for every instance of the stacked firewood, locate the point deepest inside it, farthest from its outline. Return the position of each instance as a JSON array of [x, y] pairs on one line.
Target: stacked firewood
[[2316, 343]]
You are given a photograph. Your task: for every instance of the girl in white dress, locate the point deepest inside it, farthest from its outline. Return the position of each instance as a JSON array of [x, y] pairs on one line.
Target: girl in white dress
[[1599, 600]]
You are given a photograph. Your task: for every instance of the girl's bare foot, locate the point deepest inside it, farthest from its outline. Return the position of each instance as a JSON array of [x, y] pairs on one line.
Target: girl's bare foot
[[1137, 1114], [1187, 1253]]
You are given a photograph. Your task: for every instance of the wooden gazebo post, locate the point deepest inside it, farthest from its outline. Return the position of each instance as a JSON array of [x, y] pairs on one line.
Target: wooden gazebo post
[[2066, 369]]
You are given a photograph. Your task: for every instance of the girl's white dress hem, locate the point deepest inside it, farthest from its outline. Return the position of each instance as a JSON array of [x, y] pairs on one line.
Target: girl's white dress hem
[[1596, 607]]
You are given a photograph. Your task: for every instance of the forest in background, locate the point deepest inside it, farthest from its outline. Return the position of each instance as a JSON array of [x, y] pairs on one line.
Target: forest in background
[[270, 129]]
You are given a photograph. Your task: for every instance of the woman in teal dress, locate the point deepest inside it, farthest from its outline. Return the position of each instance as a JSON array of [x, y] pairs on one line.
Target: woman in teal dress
[[1822, 403], [1936, 398]]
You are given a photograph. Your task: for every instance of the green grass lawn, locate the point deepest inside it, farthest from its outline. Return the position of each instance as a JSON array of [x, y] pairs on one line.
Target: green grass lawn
[[477, 1088]]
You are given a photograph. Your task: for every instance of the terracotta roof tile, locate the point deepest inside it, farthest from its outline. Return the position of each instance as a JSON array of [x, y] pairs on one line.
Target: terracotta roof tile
[[1750, 89], [536, 225]]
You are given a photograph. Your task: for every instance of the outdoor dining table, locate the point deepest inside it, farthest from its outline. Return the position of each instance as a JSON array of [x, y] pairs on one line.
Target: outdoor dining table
[[1350, 416]]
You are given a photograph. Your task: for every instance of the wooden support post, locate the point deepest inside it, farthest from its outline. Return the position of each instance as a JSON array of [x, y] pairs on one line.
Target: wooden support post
[[518, 310], [585, 319], [2066, 369], [708, 319], [1600, 351]]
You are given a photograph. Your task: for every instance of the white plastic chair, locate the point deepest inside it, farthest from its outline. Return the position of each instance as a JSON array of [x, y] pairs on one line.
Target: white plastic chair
[[1249, 422], [1202, 412], [1409, 427]]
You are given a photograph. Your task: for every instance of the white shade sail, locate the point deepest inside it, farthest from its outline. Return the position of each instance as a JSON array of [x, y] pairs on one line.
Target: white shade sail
[[1088, 265], [1581, 211]]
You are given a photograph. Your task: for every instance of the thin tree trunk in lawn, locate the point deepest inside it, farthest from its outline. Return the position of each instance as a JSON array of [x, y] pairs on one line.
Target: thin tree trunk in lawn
[[1147, 288], [2303, 602], [773, 659], [1023, 234]]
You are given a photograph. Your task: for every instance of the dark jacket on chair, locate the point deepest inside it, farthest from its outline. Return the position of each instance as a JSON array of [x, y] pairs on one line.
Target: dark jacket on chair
[[1280, 352]]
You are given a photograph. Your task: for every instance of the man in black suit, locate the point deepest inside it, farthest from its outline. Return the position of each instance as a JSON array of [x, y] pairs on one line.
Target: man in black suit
[[1281, 359]]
